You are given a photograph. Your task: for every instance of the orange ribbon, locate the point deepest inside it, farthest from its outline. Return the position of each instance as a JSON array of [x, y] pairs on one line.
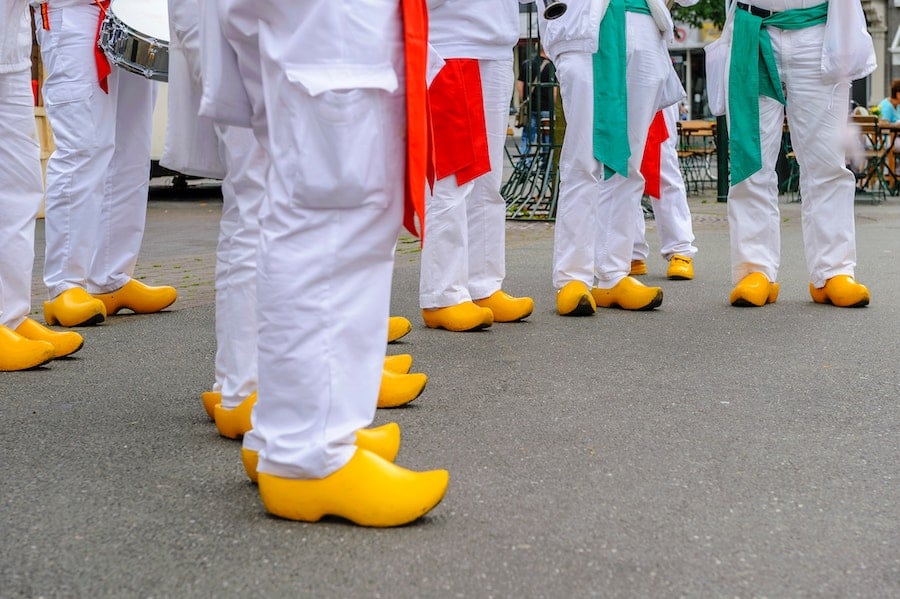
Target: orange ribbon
[[103, 68], [418, 140], [651, 163], [460, 133]]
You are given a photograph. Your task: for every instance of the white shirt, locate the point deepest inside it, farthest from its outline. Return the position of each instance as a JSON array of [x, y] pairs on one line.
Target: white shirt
[[480, 29], [15, 36]]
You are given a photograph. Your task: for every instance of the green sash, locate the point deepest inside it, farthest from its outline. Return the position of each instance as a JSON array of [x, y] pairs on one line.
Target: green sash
[[753, 73], [610, 96]]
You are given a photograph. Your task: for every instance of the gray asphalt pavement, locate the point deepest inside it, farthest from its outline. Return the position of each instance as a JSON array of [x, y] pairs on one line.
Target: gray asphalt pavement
[[698, 450]]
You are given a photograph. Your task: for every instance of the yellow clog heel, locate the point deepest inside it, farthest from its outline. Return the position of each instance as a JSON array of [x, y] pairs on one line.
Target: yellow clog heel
[[754, 290], [235, 422], [638, 267], [383, 441], [842, 291], [210, 400], [74, 307], [681, 268], [574, 299], [506, 308]]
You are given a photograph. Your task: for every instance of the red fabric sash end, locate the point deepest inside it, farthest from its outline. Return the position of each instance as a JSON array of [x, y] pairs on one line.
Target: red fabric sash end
[[457, 105], [651, 163], [418, 138], [103, 68]]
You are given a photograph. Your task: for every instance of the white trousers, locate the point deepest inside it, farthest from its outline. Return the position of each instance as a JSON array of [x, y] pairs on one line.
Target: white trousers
[[595, 219], [671, 214], [817, 116], [328, 226], [98, 176], [243, 191], [463, 255], [21, 190]]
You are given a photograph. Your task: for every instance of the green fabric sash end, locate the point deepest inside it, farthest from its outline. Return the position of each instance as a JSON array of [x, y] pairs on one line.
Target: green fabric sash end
[[610, 133], [754, 73]]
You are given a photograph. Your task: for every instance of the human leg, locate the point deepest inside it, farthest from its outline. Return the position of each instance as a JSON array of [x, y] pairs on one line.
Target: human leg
[[579, 171], [753, 214], [486, 210], [444, 274], [124, 207], [79, 113], [620, 197], [20, 197], [124, 204], [671, 213], [323, 239], [817, 115], [243, 190]]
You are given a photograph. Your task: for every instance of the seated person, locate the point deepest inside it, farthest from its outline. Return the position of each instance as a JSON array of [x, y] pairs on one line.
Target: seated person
[[889, 108]]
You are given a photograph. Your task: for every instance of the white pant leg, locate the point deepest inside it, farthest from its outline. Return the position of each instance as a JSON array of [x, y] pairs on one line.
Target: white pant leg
[[323, 317], [243, 191], [487, 208], [671, 213], [326, 250], [20, 195], [243, 22], [641, 247], [753, 215], [817, 116], [124, 213], [463, 255], [228, 226], [82, 118], [444, 270], [647, 69], [579, 173]]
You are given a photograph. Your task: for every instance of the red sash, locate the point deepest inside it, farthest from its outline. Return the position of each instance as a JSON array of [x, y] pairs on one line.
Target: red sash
[[418, 136], [460, 133], [103, 68], [651, 161]]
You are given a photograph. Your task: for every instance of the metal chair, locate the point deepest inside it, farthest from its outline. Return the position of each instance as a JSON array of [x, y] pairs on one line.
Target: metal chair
[[870, 179]]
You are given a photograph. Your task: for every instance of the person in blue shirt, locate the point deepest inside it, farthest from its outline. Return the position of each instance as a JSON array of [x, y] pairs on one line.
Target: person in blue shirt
[[889, 108]]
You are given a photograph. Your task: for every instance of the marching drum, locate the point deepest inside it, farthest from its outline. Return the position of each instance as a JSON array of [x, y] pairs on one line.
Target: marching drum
[[135, 36]]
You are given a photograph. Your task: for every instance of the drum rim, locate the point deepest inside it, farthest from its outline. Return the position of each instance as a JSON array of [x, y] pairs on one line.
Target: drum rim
[[118, 40]]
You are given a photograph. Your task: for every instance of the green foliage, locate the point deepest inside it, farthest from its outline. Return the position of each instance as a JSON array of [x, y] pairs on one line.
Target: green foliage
[[705, 10]]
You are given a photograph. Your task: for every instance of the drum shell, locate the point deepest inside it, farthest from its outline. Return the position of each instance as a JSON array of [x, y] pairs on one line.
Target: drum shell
[[132, 50]]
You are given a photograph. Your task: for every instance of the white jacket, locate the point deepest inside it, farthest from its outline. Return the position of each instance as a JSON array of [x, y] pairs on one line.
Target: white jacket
[[480, 29], [848, 52], [192, 145], [578, 30], [60, 3], [15, 36], [328, 62]]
